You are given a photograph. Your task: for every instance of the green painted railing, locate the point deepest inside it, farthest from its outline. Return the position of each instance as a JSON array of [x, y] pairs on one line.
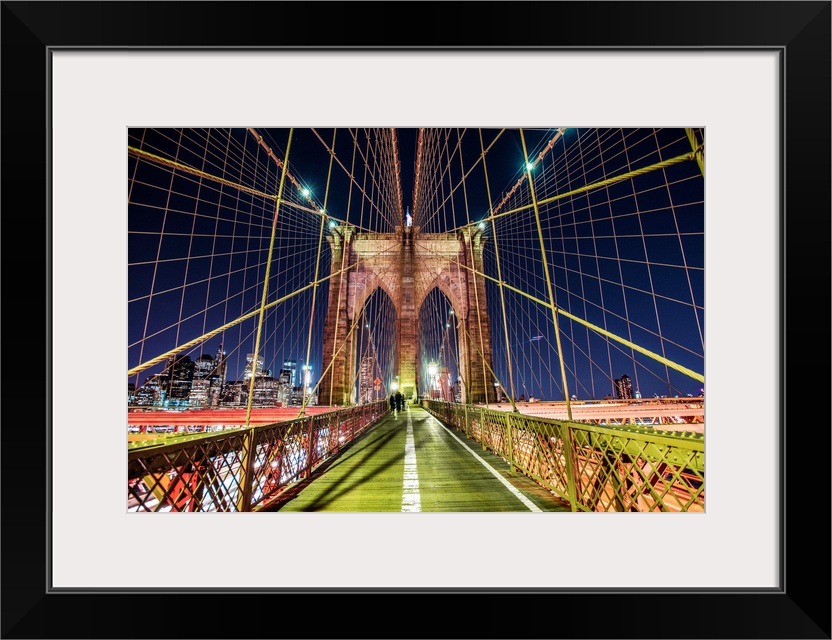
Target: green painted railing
[[593, 467], [205, 471]]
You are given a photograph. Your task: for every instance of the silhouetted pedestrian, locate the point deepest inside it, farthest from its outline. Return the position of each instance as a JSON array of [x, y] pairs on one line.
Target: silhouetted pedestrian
[[392, 401], [399, 401]]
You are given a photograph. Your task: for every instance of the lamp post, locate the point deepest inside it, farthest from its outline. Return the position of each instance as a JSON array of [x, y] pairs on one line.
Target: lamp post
[[498, 395], [432, 370]]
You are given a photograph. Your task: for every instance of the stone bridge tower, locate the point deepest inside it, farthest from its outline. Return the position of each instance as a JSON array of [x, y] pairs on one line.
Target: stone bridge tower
[[407, 265]]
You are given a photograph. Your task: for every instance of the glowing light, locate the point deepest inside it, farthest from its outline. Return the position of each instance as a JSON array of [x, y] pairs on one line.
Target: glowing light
[[394, 386], [305, 192], [332, 223], [481, 225], [529, 166]]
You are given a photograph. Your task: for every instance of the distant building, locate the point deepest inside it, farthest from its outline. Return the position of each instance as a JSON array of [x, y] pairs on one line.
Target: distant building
[[206, 382], [299, 393], [234, 394], [297, 396], [265, 391], [284, 387], [151, 392], [180, 375], [291, 367], [204, 367], [366, 386], [623, 388], [200, 395], [221, 364], [308, 382], [258, 369]]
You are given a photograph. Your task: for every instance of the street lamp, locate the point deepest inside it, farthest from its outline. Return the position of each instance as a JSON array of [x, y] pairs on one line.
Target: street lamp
[[432, 370]]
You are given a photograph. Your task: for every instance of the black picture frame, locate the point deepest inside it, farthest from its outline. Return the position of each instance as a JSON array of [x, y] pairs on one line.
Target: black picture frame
[[800, 608]]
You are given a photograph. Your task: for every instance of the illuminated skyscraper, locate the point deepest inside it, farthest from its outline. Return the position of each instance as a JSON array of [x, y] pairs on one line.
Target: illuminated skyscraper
[[221, 361], [624, 387], [152, 391], [307, 377], [180, 374], [291, 366], [204, 367], [265, 391], [258, 370], [308, 385]]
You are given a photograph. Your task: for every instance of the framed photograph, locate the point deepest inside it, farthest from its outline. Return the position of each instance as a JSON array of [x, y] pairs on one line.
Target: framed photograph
[[78, 78]]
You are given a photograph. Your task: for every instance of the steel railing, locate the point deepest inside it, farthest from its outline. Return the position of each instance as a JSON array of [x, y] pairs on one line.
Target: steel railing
[[208, 471], [592, 467]]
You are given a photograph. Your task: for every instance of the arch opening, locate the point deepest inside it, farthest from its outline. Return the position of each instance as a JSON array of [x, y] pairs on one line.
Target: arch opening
[[376, 362], [440, 372]]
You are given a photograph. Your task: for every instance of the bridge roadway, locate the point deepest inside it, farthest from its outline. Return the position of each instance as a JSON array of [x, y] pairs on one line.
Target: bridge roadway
[[411, 462], [674, 415]]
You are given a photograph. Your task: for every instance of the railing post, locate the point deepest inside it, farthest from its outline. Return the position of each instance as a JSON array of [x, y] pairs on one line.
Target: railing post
[[335, 431], [510, 443], [482, 429], [571, 469], [306, 436], [467, 430], [246, 471]]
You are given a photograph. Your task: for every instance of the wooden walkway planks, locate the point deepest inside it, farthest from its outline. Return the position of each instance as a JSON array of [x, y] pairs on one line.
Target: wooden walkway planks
[[435, 470]]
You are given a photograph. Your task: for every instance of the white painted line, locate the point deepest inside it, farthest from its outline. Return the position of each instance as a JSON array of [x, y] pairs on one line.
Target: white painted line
[[531, 505], [411, 501]]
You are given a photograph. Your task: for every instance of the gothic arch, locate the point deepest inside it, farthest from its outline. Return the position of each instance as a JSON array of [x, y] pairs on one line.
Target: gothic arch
[[364, 291], [449, 284]]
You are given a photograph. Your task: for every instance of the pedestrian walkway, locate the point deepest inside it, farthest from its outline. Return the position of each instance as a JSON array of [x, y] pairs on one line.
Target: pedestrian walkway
[[411, 462]]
